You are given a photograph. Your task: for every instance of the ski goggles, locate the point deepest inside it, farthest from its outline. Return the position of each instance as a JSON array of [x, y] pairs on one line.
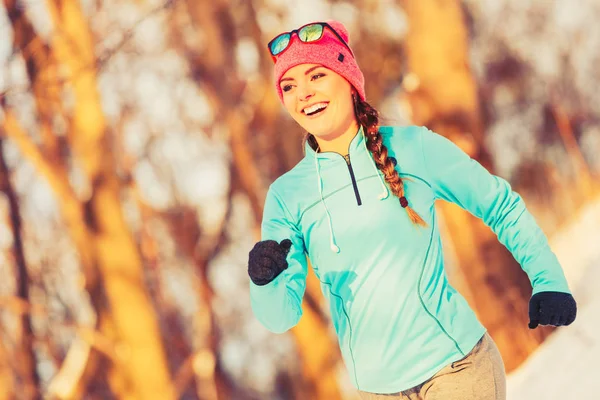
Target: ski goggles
[[308, 33]]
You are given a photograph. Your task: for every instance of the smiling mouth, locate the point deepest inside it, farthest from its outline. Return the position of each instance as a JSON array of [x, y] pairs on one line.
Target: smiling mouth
[[315, 109]]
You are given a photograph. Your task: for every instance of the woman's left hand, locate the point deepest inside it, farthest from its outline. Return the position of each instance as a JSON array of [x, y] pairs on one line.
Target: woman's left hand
[[551, 308]]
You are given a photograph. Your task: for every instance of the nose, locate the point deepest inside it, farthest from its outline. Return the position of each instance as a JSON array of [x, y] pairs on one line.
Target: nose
[[304, 93]]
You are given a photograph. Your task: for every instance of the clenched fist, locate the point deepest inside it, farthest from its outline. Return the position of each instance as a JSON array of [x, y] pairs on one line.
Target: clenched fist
[[551, 308], [267, 260]]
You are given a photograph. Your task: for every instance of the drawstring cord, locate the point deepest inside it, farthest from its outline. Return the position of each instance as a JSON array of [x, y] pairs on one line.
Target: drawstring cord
[[333, 246], [383, 195]]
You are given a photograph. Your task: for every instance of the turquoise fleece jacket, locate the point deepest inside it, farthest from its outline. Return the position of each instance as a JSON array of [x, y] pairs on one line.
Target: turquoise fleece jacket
[[397, 318]]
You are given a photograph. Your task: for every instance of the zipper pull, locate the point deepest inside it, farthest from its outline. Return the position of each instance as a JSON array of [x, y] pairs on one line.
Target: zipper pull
[[347, 158]]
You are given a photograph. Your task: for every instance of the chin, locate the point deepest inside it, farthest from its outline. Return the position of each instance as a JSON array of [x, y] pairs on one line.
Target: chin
[[320, 131], [323, 135]]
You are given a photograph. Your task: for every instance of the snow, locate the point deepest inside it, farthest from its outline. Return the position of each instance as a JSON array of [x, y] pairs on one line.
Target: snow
[[566, 365]]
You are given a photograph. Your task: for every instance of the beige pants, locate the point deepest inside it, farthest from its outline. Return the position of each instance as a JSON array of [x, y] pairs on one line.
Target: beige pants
[[478, 376]]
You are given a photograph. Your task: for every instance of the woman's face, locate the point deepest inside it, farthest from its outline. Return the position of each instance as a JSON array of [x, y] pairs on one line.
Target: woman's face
[[318, 99]]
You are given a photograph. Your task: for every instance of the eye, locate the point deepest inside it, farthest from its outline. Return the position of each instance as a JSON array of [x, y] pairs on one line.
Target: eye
[[317, 76], [286, 88]]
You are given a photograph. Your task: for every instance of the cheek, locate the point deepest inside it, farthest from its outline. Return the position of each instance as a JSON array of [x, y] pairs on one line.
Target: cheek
[[346, 107], [289, 105], [344, 99]]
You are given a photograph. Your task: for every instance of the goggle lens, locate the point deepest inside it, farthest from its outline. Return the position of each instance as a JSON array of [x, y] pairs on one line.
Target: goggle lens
[[280, 43], [311, 33]]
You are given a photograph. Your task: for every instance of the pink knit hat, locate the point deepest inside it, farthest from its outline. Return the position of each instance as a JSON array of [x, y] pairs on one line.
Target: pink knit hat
[[327, 51]]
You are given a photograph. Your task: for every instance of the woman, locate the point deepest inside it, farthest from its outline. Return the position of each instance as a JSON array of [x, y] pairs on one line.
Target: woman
[[360, 205]]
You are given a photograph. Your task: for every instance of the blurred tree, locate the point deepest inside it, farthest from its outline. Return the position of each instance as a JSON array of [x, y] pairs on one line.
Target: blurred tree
[[202, 366], [532, 82], [442, 95], [139, 370], [50, 161], [179, 350], [143, 372], [6, 374], [25, 359]]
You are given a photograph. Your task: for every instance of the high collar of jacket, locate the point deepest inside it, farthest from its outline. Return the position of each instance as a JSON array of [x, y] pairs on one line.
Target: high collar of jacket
[[356, 145]]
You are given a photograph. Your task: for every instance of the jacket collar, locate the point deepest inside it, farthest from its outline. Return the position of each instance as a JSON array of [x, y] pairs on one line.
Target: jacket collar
[[355, 145]]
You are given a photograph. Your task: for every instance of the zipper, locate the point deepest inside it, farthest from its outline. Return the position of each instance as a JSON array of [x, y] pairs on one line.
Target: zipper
[[354, 185]]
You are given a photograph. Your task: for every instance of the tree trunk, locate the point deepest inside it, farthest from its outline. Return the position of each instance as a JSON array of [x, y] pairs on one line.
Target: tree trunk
[[202, 366], [25, 356], [41, 71], [442, 95], [68, 383], [72, 379], [6, 374], [142, 371]]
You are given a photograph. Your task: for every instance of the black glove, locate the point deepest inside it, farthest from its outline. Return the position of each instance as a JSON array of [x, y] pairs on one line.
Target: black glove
[[267, 260], [551, 308]]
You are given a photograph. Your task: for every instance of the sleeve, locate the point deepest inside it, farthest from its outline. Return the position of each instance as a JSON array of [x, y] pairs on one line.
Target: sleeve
[[458, 178], [277, 305]]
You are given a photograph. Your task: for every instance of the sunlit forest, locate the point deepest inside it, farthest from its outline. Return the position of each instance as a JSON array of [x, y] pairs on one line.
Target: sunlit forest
[[138, 140]]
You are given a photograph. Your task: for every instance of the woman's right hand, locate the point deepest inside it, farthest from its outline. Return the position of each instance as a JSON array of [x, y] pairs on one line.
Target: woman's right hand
[[267, 260]]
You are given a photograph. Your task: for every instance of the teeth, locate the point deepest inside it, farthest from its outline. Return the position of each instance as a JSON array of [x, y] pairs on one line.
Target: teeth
[[314, 108]]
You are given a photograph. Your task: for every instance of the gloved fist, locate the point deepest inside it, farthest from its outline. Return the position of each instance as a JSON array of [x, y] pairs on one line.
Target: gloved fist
[[551, 308], [267, 260]]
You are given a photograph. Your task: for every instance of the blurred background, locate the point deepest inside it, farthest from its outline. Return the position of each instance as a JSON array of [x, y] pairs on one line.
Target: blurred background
[[137, 141]]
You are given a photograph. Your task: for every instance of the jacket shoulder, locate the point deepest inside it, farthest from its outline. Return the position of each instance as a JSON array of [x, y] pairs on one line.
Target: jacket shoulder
[[294, 185], [404, 141], [288, 180], [394, 133]]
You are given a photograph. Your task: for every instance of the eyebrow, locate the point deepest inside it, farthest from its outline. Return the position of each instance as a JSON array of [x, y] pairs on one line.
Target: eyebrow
[[308, 71]]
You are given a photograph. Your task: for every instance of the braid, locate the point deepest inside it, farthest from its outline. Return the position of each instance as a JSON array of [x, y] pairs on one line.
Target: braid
[[368, 117], [310, 139]]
